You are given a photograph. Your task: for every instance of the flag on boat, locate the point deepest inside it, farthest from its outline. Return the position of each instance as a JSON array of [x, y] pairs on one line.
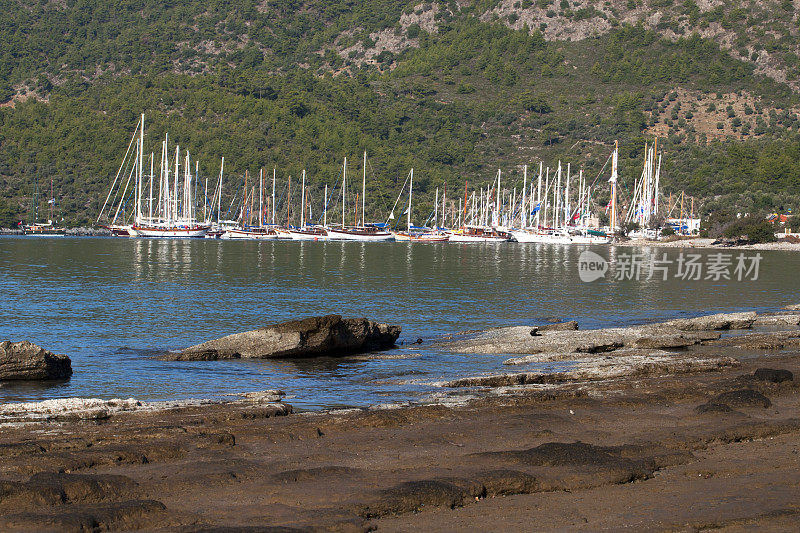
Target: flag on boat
[[536, 209]]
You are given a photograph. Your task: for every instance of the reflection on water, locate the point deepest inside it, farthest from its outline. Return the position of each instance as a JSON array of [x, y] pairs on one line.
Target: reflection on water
[[111, 304]]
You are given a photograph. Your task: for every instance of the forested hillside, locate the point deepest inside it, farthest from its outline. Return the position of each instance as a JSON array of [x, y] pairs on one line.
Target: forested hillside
[[454, 89]]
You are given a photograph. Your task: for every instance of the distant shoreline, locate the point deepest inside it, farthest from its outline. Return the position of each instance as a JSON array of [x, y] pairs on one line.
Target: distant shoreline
[[709, 243]]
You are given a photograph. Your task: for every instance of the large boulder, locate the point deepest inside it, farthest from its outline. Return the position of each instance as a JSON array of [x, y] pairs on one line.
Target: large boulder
[[329, 335], [26, 361]]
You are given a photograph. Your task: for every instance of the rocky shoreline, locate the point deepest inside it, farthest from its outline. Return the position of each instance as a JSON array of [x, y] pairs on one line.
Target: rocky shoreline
[[699, 242], [687, 424]]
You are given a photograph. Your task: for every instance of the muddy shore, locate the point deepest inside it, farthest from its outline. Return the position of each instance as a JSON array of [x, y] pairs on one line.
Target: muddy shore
[[687, 447]]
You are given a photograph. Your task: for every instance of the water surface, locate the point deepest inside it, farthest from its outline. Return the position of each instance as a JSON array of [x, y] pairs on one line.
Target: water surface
[[112, 304]]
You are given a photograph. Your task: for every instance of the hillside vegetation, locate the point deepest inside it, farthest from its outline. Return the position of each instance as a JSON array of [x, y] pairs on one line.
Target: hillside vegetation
[[454, 89]]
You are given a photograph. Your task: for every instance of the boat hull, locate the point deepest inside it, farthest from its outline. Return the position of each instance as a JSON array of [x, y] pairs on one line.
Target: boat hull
[[544, 238], [457, 237], [308, 235], [168, 232], [405, 237], [248, 235], [378, 236]]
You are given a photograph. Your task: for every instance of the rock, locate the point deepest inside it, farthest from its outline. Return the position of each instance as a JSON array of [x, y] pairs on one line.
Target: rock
[[594, 368], [570, 325], [262, 397], [579, 454], [674, 334], [792, 307], [775, 340], [743, 398], [412, 496], [126, 515], [329, 335], [778, 320], [26, 361], [773, 375], [712, 407], [714, 322]]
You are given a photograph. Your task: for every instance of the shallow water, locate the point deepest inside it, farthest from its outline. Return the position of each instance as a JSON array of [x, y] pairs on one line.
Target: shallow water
[[112, 304]]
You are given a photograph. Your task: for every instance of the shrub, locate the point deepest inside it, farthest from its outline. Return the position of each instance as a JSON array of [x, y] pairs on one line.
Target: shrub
[[752, 229]]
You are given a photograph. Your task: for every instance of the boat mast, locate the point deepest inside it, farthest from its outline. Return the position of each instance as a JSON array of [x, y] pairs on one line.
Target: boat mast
[[567, 212], [325, 208], [410, 188], [261, 199], [613, 181], [160, 205], [658, 179], [273, 196], [175, 188], [436, 209], [539, 194], [464, 219], [498, 197], [187, 184], [167, 199], [364, 192], [546, 189], [150, 199], [523, 212], [557, 199], [444, 204], [140, 174], [303, 202], [219, 198], [344, 190]]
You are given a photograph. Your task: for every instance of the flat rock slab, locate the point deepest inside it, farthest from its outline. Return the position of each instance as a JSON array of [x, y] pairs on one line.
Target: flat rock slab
[[329, 335], [773, 375], [26, 361], [666, 335], [599, 367], [743, 398]]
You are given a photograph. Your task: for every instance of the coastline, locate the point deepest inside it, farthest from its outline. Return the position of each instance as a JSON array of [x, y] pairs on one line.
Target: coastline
[[709, 243], [665, 448]]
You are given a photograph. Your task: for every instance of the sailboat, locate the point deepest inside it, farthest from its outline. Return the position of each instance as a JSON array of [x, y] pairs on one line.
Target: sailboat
[[245, 228], [361, 231], [43, 229], [307, 232], [478, 229], [644, 205], [174, 216], [414, 233]]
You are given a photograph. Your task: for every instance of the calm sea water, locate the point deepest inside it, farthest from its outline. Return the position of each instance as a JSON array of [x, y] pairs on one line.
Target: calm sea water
[[113, 304]]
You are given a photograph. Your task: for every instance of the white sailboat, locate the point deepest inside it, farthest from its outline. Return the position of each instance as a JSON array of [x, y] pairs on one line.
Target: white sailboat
[[246, 228], [413, 233], [174, 217], [361, 231], [306, 232]]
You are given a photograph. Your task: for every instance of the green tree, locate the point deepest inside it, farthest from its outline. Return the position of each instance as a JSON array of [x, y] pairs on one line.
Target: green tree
[[9, 217]]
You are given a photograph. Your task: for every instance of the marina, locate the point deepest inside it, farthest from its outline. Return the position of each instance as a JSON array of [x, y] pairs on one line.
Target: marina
[[562, 208]]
